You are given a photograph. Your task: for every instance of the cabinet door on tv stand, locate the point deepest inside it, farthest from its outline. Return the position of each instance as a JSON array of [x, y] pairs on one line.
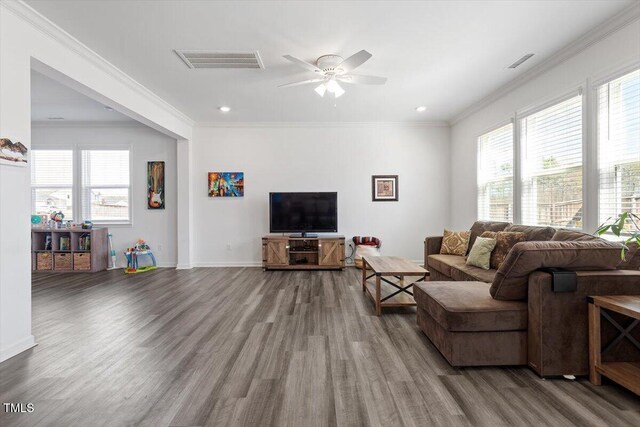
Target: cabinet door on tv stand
[[276, 252], [331, 252]]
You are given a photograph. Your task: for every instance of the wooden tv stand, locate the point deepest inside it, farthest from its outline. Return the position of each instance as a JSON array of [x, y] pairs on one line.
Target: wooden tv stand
[[303, 253]]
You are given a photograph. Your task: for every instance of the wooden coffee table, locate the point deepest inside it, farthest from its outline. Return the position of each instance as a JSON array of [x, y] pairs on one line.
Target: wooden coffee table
[[391, 294], [627, 374]]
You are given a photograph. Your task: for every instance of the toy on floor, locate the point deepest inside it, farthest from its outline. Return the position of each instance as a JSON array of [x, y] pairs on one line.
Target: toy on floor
[[132, 254]]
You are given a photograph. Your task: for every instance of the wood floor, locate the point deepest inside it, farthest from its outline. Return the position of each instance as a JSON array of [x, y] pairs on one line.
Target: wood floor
[[238, 346]]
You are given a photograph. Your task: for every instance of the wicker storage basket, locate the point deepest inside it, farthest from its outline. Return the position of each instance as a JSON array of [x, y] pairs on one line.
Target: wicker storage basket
[[62, 262], [44, 261], [82, 261]]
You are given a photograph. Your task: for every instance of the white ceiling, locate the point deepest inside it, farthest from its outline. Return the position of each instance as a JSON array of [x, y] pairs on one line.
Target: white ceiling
[[52, 99], [444, 55]]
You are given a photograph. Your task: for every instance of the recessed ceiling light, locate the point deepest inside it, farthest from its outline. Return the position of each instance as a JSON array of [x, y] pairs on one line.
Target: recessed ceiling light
[[55, 118], [421, 108], [106, 107], [224, 109]]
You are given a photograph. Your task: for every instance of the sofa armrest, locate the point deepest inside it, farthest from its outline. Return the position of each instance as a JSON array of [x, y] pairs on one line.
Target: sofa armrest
[[558, 323], [432, 246], [510, 281]]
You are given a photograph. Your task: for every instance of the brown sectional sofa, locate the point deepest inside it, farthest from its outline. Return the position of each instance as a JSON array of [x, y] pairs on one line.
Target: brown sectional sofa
[[512, 316]]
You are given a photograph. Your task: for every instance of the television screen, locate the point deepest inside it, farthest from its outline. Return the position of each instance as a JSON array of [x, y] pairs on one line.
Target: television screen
[[303, 212]]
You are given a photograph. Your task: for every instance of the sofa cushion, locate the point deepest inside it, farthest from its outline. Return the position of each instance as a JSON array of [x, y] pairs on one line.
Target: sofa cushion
[[455, 267], [511, 279], [505, 240], [442, 263], [533, 232], [480, 253], [480, 227], [454, 242], [564, 235], [468, 307]]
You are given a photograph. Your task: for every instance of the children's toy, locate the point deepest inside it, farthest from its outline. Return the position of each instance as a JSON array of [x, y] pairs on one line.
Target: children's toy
[[112, 252], [138, 250]]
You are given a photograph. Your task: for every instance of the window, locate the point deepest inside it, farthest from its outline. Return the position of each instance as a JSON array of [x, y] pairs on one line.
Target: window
[[100, 184], [105, 185], [551, 144], [495, 175], [619, 146], [52, 182]]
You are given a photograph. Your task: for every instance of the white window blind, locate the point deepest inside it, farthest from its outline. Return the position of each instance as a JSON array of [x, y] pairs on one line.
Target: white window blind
[[495, 175], [619, 146], [105, 185], [52, 182], [551, 142]]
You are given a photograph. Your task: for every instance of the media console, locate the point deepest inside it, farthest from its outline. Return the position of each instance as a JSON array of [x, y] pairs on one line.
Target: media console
[[303, 253]]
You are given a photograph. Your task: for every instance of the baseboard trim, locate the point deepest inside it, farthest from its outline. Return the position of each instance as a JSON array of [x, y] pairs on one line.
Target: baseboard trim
[[229, 264], [17, 348], [184, 267]]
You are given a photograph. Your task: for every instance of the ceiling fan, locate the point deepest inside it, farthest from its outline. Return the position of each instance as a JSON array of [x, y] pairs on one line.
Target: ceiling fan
[[331, 69]]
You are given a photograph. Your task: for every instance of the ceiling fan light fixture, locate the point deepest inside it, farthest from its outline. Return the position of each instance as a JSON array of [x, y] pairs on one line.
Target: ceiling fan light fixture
[[338, 92], [333, 86], [320, 90]]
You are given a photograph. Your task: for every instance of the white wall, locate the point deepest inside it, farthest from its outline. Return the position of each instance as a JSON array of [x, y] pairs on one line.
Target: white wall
[[320, 158], [27, 39], [615, 52], [157, 227]]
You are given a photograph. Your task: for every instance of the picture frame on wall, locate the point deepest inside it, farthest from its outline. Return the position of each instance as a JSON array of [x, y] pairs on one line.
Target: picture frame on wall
[[384, 188], [155, 185], [13, 153], [225, 184]]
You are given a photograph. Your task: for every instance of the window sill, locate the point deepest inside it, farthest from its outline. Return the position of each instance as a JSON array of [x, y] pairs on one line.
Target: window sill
[[112, 224]]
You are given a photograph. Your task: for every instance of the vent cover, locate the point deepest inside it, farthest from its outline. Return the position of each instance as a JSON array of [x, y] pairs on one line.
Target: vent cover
[[521, 60], [212, 59]]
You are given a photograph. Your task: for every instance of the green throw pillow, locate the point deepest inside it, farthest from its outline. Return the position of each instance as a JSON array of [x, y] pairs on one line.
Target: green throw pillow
[[480, 254]]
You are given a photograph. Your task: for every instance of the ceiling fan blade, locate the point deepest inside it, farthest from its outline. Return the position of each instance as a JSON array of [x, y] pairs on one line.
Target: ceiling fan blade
[[304, 82], [304, 64], [354, 61], [362, 79]]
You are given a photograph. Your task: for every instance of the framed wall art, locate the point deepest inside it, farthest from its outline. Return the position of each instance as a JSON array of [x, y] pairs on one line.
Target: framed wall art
[[384, 188], [226, 184], [155, 185]]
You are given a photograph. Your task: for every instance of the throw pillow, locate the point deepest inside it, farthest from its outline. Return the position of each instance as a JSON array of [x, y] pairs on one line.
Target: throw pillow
[[480, 254], [505, 240], [455, 242]]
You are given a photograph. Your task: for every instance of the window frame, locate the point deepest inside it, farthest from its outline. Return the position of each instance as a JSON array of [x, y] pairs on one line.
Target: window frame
[[510, 121], [77, 187], [595, 128], [82, 189], [522, 115], [35, 187]]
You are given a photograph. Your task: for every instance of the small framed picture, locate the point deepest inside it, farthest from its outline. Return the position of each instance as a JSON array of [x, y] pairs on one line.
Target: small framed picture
[[384, 188]]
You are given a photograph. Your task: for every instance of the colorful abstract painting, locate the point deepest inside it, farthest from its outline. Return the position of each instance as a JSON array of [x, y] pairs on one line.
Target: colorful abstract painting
[[155, 185], [226, 184]]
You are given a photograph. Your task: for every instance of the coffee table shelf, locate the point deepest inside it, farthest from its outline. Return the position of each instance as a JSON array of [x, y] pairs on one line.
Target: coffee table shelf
[[627, 374], [383, 291]]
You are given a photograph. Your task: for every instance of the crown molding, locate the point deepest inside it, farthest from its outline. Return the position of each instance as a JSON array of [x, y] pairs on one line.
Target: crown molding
[[53, 31], [612, 25], [319, 124], [87, 124]]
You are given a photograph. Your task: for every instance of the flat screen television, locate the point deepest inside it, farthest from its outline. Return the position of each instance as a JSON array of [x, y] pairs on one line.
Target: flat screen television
[[303, 212]]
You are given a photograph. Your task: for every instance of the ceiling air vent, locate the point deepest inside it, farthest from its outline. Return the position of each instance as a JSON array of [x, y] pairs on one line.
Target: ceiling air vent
[[521, 60], [212, 59]]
